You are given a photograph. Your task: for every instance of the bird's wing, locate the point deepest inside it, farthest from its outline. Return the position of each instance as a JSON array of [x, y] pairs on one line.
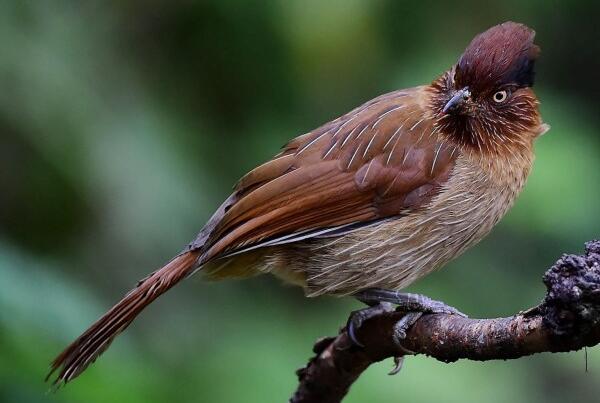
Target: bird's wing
[[380, 160]]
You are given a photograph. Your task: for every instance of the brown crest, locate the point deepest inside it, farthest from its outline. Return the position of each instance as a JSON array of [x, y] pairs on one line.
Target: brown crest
[[503, 55]]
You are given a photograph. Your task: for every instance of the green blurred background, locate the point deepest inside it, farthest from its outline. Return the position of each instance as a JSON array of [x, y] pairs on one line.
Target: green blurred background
[[123, 125]]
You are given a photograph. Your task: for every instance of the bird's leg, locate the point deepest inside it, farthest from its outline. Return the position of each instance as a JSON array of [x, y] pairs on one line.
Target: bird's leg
[[380, 300]]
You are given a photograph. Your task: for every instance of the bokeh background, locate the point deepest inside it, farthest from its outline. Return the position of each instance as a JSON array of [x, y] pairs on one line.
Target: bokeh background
[[123, 125]]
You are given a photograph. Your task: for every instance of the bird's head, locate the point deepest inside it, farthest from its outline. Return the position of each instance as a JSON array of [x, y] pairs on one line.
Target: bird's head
[[485, 101]]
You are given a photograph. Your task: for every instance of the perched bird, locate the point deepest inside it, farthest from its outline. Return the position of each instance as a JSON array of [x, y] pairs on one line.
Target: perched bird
[[373, 200]]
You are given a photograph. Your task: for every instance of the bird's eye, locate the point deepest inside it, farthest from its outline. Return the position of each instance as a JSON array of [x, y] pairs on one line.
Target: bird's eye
[[500, 96]]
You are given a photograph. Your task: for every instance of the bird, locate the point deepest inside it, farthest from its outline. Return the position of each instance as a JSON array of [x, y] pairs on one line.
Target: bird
[[371, 201]]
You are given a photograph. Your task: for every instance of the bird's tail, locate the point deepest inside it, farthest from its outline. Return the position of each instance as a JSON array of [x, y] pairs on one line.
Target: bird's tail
[[94, 341]]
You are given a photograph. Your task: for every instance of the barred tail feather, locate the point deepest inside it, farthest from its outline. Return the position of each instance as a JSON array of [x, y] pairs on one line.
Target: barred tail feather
[[84, 351]]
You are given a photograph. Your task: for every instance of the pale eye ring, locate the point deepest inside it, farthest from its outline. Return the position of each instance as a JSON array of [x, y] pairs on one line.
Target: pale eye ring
[[500, 96]]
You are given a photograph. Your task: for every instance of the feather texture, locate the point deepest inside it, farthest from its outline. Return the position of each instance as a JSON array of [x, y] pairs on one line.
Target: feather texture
[[381, 160]]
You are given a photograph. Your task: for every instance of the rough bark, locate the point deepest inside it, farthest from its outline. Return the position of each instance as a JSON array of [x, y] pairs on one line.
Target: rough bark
[[567, 319]]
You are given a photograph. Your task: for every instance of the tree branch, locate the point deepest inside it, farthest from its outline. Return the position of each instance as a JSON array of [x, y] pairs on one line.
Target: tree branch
[[567, 319]]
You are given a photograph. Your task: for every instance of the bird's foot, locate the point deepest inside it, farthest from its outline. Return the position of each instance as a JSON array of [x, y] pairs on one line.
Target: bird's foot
[[414, 306], [357, 318], [406, 302]]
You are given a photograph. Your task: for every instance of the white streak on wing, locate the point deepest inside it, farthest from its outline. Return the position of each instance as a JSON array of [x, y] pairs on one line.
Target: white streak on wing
[[389, 158], [366, 173], [405, 156], [437, 153], [392, 136], [294, 237], [353, 155], [325, 133], [330, 149], [312, 142], [344, 124], [348, 136], [369, 145], [386, 113], [391, 185], [416, 124], [362, 131]]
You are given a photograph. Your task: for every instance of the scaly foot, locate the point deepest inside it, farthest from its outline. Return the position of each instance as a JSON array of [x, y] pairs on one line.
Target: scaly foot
[[406, 302], [380, 300]]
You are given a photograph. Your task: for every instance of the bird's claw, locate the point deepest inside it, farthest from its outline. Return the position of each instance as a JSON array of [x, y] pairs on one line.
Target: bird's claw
[[398, 363], [357, 318], [402, 326], [440, 307], [414, 306]]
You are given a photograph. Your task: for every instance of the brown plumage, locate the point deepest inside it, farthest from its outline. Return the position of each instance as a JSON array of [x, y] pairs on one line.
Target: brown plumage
[[376, 198]]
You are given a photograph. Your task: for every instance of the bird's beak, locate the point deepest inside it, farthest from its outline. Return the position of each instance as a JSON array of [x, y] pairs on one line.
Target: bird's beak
[[457, 100]]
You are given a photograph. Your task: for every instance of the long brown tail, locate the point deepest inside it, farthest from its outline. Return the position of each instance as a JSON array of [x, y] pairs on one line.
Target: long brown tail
[[84, 351]]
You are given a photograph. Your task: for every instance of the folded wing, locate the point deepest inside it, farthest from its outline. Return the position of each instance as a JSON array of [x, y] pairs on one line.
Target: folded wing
[[381, 160]]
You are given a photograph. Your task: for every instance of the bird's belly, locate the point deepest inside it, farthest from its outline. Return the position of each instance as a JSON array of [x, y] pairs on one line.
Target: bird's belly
[[394, 253]]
